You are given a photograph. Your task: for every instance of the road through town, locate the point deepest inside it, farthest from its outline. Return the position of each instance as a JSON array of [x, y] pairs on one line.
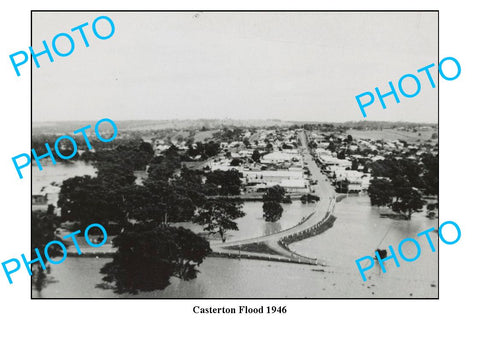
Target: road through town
[[278, 242]]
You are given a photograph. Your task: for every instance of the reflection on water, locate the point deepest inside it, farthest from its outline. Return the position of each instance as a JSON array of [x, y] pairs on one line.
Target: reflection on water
[[273, 227], [253, 224], [356, 233]]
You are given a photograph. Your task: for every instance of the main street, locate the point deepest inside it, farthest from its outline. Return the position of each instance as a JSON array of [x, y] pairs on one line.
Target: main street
[[324, 210]]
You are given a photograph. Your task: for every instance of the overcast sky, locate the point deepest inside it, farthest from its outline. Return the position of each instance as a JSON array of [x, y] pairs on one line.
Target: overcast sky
[[289, 66]]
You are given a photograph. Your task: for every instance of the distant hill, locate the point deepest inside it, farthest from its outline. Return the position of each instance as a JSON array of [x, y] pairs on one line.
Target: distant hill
[[375, 125], [140, 125]]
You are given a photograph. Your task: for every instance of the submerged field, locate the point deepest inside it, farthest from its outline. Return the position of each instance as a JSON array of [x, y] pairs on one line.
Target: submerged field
[[393, 134], [358, 230]]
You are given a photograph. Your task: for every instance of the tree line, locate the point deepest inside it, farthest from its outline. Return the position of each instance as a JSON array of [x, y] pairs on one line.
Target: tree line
[[401, 184]]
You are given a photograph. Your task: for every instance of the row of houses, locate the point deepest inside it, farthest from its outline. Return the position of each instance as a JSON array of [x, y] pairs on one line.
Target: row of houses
[[344, 159], [284, 168], [340, 171]]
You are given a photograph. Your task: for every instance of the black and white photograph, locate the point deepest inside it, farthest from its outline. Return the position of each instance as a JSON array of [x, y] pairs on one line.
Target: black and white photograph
[[235, 154]]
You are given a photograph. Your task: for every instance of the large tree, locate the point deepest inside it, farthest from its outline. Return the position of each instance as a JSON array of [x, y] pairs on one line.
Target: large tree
[[159, 201], [132, 154], [91, 200], [218, 216], [380, 191], [256, 156], [44, 226], [397, 194], [402, 182], [148, 256], [392, 168], [163, 167], [275, 194], [114, 174], [272, 209], [408, 202], [430, 176], [227, 182]]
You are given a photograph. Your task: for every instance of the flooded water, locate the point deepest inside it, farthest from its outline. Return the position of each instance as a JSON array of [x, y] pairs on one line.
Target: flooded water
[[357, 231], [49, 180], [58, 173], [251, 225], [254, 225]]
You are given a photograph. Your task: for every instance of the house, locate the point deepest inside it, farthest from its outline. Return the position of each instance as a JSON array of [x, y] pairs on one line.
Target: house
[[39, 199], [270, 177], [281, 157], [295, 185]]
